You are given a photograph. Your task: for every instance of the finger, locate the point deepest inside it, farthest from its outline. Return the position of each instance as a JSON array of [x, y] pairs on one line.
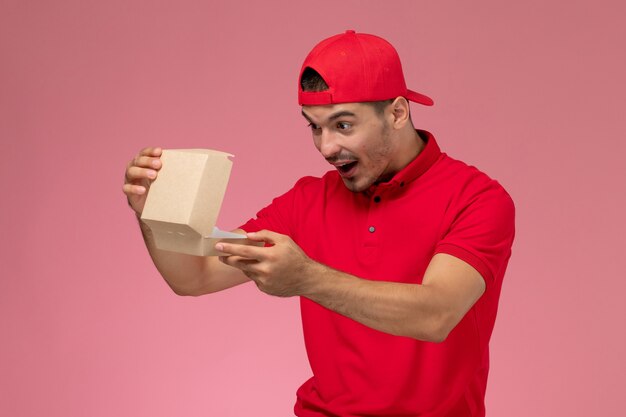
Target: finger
[[131, 189], [245, 265], [245, 251], [151, 151], [237, 261], [265, 236], [146, 162], [134, 173]]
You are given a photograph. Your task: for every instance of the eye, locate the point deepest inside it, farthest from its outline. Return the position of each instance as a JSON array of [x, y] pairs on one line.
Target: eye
[[343, 126], [314, 127]]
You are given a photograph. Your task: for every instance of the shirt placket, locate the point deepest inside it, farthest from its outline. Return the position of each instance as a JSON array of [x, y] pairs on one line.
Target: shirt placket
[[373, 227]]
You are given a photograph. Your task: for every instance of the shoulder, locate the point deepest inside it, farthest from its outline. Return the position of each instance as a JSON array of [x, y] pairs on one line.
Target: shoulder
[[468, 196], [315, 185], [305, 192], [467, 182]]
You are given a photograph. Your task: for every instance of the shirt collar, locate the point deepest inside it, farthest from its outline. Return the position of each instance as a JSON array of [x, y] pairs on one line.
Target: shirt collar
[[418, 166]]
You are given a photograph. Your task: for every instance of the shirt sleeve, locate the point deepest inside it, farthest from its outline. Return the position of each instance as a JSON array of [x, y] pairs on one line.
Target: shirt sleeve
[[482, 231], [279, 215]]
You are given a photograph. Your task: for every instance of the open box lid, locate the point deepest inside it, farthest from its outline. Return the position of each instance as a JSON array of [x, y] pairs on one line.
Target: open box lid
[[184, 201]]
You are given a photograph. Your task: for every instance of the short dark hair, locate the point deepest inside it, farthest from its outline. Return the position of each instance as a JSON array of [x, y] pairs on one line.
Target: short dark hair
[[312, 81]]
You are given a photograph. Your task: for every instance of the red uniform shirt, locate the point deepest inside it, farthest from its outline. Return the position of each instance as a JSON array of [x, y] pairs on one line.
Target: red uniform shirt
[[435, 204]]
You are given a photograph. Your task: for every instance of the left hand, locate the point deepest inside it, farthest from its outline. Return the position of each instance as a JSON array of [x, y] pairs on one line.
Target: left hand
[[282, 269]]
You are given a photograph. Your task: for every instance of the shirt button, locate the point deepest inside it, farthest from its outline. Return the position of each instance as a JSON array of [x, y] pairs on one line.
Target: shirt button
[[372, 229], [377, 199]]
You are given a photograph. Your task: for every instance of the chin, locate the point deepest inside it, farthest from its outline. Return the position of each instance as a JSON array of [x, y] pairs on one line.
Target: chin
[[356, 186]]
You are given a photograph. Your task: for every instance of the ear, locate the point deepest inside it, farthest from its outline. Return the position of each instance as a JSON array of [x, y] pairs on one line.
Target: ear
[[400, 112]]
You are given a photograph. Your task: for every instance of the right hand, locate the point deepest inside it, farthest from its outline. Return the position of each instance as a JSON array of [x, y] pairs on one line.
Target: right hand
[[140, 172]]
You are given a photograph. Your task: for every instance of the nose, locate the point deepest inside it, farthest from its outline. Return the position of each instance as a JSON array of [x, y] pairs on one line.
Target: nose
[[328, 145]]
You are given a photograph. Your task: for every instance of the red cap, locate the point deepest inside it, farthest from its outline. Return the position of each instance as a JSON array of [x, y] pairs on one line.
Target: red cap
[[357, 67]]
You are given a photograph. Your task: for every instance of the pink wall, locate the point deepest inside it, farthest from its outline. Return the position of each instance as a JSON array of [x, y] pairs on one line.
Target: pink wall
[[531, 92]]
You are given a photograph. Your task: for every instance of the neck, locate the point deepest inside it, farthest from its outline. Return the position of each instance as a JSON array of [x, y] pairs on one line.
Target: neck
[[409, 145]]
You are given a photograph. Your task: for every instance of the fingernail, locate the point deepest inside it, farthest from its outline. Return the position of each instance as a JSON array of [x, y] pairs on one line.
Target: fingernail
[[151, 174], [219, 247]]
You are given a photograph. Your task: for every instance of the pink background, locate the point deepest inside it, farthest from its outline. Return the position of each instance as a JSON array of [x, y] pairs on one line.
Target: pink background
[[532, 92]]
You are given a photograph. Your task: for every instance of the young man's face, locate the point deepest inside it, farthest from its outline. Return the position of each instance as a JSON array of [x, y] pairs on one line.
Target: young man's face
[[355, 139]]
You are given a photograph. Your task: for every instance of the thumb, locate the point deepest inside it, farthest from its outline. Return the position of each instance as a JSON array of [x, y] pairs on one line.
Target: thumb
[[266, 236]]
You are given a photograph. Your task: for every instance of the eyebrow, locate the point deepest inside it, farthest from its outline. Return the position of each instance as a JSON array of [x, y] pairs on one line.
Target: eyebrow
[[341, 113]]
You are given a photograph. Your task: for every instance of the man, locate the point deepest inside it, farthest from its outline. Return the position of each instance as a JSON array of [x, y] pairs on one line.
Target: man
[[397, 254]]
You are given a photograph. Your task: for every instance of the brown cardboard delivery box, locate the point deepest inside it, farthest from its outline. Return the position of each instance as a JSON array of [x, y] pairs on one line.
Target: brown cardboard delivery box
[[184, 201]]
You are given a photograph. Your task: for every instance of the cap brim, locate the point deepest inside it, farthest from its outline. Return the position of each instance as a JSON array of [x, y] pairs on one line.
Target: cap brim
[[419, 98]]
